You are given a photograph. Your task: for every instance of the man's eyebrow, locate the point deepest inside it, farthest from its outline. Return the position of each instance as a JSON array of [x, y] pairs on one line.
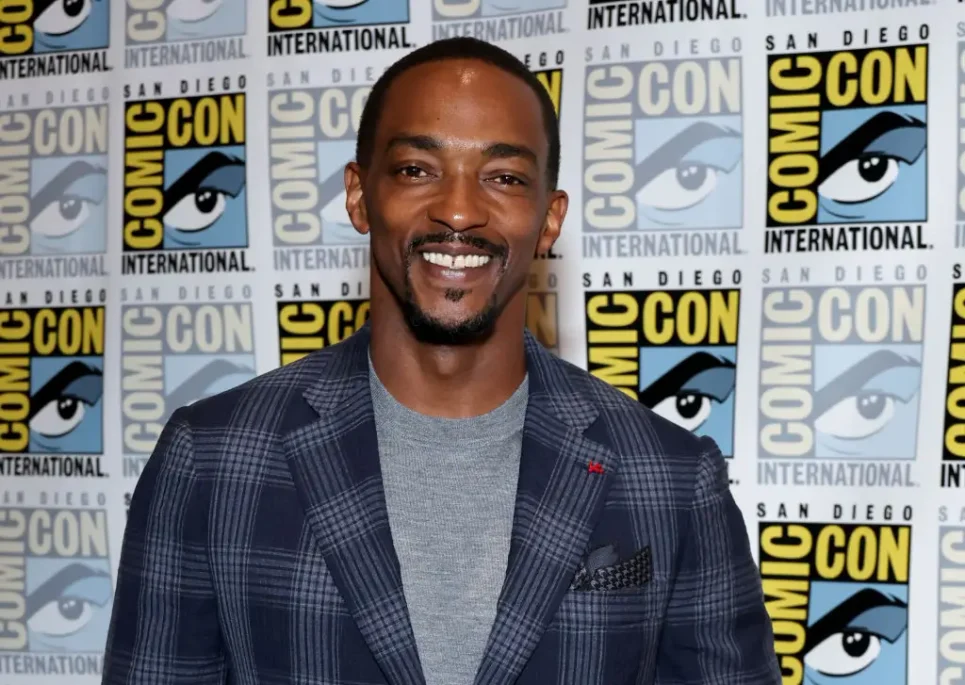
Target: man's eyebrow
[[507, 150], [419, 142], [493, 150]]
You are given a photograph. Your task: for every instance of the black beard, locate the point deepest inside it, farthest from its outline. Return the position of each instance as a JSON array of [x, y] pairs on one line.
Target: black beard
[[431, 331]]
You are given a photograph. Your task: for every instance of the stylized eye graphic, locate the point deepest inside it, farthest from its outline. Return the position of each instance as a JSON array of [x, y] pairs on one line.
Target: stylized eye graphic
[[61, 17], [194, 10], [861, 179], [861, 401], [845, 653], [67, 601], [197, 211], [59, 406], [867, 162], [197, 198], [685, 394], [63, 205], [857, 416], [850, 637], [685, 170]]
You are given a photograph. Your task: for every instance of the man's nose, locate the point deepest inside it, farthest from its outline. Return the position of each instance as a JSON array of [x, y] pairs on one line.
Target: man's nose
[[459, 203]]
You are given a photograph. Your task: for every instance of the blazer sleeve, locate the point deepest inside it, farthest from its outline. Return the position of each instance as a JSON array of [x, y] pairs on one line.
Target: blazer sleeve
[[164, 623], [716, 630]]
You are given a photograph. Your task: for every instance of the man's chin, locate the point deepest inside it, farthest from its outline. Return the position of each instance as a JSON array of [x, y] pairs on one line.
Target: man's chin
[[453, 330]]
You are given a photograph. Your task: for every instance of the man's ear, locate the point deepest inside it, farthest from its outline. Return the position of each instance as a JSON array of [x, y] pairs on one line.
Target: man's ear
[[355, 197], [552, 222]]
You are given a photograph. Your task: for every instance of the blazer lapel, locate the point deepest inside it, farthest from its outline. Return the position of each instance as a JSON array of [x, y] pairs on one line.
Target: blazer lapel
[[334, 463], [559, 498]]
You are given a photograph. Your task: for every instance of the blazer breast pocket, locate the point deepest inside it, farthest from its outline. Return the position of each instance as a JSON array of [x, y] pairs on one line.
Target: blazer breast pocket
[[612, 595], [601, 571]]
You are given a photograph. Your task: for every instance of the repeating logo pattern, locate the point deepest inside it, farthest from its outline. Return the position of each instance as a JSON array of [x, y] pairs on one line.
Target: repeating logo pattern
[[838, 599], [841, 371], [53, 188], [847, 145], [842, 163], [57, 590], [663, 157], [185, 184], [174, 354], [52, 378], [674, 351]]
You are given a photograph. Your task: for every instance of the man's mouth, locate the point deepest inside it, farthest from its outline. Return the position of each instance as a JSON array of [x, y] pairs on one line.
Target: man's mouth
[[456, 261]]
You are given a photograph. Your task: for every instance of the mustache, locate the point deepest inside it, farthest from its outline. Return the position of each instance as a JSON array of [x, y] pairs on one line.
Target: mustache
[[497, 251]]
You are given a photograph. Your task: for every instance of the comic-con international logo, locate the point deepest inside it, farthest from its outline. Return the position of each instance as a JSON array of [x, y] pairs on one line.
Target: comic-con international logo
[[171, 33], [51, 381], [299, 27], [53, 38], [837, 595], [184, 195], [53, 186], [953, 441], [951, 604], [672, 349], [175, 353], [311, 137], [306, 325], [609, 14], [840, 374], [847, 144], [498, 20], [56, 591], [663, 153]]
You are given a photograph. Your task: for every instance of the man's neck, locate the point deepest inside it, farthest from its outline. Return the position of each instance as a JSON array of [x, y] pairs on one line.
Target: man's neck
[[449, 381]]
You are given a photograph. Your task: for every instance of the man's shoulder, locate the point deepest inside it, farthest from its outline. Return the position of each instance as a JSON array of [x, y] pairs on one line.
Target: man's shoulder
[[635, 430]]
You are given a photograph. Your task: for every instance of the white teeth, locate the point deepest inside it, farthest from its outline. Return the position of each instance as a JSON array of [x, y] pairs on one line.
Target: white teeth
[[472, 261]]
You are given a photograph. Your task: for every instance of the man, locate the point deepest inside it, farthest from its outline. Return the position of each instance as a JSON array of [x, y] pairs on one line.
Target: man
[[438, 499]]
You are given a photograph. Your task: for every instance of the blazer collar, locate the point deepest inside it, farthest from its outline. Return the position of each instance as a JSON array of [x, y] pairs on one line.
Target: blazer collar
[[334, 462]]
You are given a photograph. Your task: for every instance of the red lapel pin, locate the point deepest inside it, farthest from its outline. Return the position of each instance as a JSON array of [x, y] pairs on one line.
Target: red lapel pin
[[595, 467]]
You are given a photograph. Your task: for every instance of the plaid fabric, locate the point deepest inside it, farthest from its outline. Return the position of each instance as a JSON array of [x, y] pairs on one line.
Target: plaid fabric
[[257, 548]]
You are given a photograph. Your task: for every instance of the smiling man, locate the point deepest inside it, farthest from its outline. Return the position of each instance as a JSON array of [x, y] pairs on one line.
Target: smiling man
[[438, 499]]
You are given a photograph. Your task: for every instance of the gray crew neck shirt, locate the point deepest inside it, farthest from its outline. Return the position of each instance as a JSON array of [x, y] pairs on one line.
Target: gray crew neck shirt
[[450, 488]]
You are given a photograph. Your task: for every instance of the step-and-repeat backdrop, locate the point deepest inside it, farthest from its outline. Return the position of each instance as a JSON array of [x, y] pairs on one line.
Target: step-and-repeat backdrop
[[765, 245]]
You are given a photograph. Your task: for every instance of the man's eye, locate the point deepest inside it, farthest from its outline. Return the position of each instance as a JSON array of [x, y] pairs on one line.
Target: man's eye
[[508, 180], [410, 171]]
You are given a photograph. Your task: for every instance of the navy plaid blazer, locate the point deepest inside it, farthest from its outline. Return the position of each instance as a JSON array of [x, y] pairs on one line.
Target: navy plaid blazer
[[258, 549]]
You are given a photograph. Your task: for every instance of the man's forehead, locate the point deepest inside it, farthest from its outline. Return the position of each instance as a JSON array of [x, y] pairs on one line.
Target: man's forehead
[[450, 93]]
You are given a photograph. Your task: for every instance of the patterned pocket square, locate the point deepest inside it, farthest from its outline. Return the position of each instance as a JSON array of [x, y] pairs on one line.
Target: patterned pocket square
[[601, 571]]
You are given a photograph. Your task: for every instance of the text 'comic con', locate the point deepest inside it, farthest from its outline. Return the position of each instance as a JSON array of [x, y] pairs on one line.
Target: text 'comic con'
[[765, 244]]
